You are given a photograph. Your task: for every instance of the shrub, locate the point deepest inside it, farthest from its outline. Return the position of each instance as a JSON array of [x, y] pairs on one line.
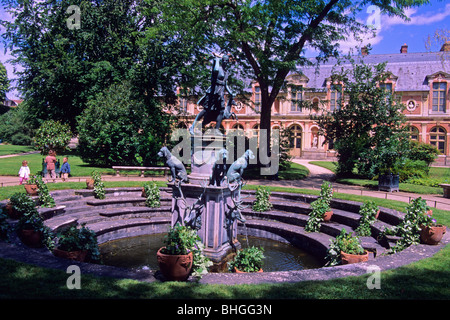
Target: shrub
[[21, 139], [117, 128], [422, 151], [411, 169]]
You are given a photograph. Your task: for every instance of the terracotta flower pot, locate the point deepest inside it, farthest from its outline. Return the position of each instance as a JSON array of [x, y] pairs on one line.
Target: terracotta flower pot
[[31, 238], [327, 216], [348, 258], [432, 235], [90, 184], [378, 214], [175, 267], [31, 189], [239, 271], [13, 214], [79, 255]]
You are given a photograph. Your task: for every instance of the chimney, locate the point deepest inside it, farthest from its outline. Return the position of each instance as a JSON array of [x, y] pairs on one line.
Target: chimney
[[364, 51], [446, 46], [404, 48]]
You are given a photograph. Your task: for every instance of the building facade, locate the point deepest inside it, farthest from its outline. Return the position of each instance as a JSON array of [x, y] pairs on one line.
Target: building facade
[[421, 80]]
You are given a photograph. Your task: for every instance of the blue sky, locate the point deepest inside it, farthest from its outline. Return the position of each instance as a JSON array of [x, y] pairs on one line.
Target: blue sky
[[391, 34]]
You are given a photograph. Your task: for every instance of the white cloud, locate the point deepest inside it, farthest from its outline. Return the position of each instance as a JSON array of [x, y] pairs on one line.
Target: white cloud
[[416, 20]]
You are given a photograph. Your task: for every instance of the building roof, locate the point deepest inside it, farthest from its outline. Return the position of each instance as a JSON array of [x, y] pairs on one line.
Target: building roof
[[412, 69]]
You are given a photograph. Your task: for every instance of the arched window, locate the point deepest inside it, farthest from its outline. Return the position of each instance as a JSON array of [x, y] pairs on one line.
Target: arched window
[[413, 133], [438, 138]]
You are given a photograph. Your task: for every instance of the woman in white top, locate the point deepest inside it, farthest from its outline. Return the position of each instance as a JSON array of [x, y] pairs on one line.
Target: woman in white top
[[24, 172]]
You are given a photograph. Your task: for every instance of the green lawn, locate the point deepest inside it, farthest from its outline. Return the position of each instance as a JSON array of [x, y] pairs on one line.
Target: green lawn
[[441, 174], [427, 278], [6, 149], [10, 166]]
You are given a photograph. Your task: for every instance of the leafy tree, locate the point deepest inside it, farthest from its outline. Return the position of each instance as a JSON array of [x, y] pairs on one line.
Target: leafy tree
[[118, 128], [52, 135], [4, 82], [368, 127], [64, 68], [268, 38], [16, 123]]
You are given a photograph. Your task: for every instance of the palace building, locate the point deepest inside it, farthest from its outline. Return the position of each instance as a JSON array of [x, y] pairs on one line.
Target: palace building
[[421, 80]]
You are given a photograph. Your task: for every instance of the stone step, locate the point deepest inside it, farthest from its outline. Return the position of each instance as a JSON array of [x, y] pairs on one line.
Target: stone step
[[114, 212], [112, 225], [331, 228]]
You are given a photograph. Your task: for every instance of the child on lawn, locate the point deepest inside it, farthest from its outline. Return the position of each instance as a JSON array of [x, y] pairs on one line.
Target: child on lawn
[[24, 172]]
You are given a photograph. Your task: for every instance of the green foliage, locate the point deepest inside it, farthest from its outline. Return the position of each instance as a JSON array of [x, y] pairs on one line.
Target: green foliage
[[422, 151], [63, 69], [4, 82], [345, 242], [52, 135], [15, 125], [45, 199], [117, 128], [408, 168], [249, 259], [153, 199], [22, 203], [99, 186], [368, 211], [319, 207], [181, 240], [31, 220], [79, 239], [315, 218], [5, 227], [409, 229], [368, 129], [262, 202]]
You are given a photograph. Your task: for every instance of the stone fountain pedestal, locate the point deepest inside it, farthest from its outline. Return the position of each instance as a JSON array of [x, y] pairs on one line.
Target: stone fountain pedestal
[[207, 202]]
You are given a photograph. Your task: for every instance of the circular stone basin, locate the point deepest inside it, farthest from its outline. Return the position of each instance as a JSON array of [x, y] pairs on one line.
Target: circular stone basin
[[140, 252]]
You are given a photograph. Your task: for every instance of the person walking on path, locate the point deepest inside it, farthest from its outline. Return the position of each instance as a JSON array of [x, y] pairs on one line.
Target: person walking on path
[[65, 170], [24, 172], [50, 160]]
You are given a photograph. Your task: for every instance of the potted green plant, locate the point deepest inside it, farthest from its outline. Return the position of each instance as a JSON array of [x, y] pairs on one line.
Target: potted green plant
[[31, 186], [77, 244], [33, 232], [45, 199], [431, 232], [152, 194], [369, 213], [248, 260], [319, 209], [346, 249], [18, 204], [262, 202], [176, 258]]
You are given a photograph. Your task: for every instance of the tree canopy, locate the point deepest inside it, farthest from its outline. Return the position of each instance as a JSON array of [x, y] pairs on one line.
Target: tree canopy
[[269, 38]]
